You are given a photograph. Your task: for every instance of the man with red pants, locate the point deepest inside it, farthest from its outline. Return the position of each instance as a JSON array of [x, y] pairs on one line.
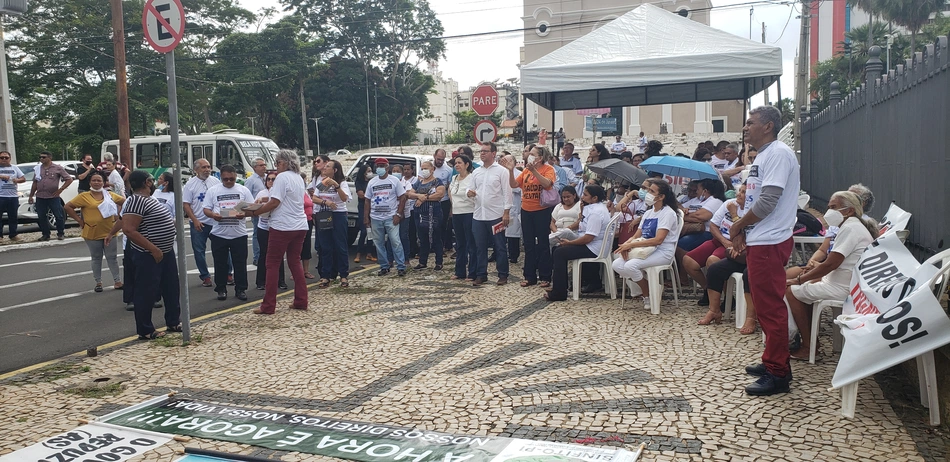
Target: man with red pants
[[766, 233]]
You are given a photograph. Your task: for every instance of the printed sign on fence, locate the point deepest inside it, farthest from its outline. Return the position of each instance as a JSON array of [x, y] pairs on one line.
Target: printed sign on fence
[[344, 439], [90, 443]]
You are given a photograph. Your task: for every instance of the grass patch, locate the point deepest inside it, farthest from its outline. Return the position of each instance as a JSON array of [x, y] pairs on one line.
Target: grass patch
[[174, 340], [50, 373], [362, 313], [21, 419], [111, 389], [84, 369]]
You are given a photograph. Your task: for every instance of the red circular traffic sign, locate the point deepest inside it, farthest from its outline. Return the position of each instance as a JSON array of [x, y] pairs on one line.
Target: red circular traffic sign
[[163, 22], [485, 131], [484, 100]]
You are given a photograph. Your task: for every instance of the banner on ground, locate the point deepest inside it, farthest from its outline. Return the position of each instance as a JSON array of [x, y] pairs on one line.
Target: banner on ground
[[885, 274], [90, 443], [894, 220], [874, 342], [344, 439]]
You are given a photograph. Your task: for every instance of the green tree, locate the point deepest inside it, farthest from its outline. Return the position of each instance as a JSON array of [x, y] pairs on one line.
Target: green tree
[[912, 14], [787, 107]]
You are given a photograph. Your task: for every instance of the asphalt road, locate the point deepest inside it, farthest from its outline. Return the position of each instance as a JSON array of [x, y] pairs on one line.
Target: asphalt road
[[48, 308]]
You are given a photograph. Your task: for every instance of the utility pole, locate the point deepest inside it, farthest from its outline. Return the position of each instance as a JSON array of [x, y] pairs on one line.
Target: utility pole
[[369, 133], [6, 127], [121, 90], [316, 122], [251, 118], [801, 86], [766, 90], [303, 117], [376, 109]]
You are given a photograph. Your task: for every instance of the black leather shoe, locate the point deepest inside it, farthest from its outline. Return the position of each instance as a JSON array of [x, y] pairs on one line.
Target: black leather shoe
[[401, 273], [282, 286], [383, 272], [260, 287], [492, 258], [759, 370], [222, 295], [704, 301], [419, 267], [479, 281], [241, 295], [768, 385], [591, 289]]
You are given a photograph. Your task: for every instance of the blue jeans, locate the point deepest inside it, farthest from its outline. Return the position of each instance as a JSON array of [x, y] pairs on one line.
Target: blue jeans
[[199, 244], [381, 230], [691, 241], [45, 205], [483, 234], [333, 256], [465, 262], [9, 205]]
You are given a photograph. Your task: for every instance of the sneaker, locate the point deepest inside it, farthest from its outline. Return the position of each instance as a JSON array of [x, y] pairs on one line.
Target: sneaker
[[156, 305], [241, 295], [129, 307], [401, 273], [206, 282], [230, 280], [768, 385], [43, 239], [419, 266], [222, 295], [758, 370], [383, 272], [60, 237], [437, 267], [260, 287], [282, 286]]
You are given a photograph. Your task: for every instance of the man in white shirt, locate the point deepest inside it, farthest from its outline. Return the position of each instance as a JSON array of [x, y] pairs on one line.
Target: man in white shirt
[[386, 202], [733, 170], [492, 193], [255, 184], [193, 196], [570, 160], [765, 231], [618, 146], [443, 172], [229, 235], [642, 143]]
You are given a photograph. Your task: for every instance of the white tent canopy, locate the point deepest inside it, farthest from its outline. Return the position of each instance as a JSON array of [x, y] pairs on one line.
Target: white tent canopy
[[650, 56]]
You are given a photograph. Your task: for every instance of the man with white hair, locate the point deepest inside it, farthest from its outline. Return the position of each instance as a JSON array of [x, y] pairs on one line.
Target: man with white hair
[[193, 196]]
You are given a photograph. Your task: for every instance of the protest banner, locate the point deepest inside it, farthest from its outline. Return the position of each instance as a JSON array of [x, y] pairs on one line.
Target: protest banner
[[344, 439], [874, 342], [894, 220], [884, 275], [90, 442]]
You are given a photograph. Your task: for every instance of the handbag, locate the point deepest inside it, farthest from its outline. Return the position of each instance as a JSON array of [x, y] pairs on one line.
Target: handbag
[[325, 219], [640, 253], [550, 197]]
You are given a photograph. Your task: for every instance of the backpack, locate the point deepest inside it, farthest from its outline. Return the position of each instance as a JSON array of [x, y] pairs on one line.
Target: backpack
[[807, 225]]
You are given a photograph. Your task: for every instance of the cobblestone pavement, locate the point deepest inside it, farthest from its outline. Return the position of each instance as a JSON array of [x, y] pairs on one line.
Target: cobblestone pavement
[[426, 352]]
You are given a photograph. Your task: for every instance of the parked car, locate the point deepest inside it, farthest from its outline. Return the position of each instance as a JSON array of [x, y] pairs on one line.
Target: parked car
[[394, 159], [27, 211]]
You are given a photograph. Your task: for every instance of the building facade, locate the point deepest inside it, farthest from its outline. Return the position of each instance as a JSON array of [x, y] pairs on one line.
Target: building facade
[[443, 104], [578, 18]]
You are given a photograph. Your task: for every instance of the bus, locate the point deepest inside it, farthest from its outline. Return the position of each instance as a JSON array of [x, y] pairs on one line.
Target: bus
[[153, 153]]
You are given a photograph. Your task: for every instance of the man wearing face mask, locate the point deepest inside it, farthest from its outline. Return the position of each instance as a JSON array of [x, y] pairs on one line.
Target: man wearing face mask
[[443, 172], [386, 201], [766, 232], [193, 196]]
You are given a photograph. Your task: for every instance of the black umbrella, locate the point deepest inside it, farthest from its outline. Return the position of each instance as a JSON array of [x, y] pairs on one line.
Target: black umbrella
[[618, 170]]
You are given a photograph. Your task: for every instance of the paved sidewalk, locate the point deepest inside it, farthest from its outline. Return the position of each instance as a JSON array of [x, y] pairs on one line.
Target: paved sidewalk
[[427, 352]]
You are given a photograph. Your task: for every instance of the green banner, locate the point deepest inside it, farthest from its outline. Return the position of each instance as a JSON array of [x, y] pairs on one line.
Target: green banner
[[345, 439]]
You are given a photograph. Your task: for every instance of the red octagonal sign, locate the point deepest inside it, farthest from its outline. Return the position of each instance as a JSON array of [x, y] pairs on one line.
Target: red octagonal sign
[[484, 100]]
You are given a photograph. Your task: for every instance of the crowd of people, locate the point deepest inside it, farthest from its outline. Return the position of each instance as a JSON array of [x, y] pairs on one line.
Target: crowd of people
[[470, 212]]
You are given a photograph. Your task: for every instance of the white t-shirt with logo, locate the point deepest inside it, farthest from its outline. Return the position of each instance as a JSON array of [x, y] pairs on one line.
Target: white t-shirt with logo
[[220, 197], [8, 188], [724, 220], [667, 219], [712, 205], [594, 222], [262, 221], [719, 164], [619, 146], [194, 194], [331, 194], [775, 165], [383, 195], [289, 189], [166, 198]]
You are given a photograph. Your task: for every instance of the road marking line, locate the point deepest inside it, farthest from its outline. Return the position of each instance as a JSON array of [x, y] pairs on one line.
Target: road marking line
[[135, 337], [46, 300]]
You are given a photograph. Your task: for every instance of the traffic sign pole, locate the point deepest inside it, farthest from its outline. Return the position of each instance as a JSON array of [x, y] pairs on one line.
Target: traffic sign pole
[[184, 299]]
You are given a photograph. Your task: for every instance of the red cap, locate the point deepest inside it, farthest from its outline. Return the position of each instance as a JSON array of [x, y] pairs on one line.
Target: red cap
[[382, 161]]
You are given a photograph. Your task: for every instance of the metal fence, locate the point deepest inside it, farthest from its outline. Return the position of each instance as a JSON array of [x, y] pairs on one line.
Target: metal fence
[[893, 135]]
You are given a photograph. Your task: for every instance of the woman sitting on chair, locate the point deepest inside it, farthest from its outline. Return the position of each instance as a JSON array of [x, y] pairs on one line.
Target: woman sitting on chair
[[830, 279], [592, 230], [659, 228]]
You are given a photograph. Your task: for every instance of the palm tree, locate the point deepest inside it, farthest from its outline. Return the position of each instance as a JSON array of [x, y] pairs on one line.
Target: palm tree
[[871, 7], [860, 40], [911, 14]]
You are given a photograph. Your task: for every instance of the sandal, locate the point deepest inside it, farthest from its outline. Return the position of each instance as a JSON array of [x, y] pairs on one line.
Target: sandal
[[173, 328], [154, 335], [307, 275], [544, 284], [118, 285], [454, 277], [747, 329], [371, 257], [344, 283], [323, 284], [357, 259], [527, 283], [98, 287]]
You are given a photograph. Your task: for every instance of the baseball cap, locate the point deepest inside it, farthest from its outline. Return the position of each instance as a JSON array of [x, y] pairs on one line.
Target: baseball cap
[[381, 161]]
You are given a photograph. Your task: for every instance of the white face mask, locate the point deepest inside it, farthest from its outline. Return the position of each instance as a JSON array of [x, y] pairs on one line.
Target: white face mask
[[834, 217], [425, 173], [532, 159], [95, 189], [650, 199]]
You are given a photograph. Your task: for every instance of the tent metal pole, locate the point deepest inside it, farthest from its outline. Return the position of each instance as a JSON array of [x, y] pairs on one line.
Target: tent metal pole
[[553, 141], [745, 113], [524, 120]]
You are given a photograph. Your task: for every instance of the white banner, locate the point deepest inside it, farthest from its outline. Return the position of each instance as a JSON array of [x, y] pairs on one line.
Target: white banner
[[895, 220], [885, 274], [90, 442], [873, 343]]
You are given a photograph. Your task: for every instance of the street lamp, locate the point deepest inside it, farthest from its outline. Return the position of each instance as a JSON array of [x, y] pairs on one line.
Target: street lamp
[[316, 122], [376, 109], [252, 123]]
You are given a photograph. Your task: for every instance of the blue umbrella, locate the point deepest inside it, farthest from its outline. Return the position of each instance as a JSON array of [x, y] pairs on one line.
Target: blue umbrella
[[680, 166]]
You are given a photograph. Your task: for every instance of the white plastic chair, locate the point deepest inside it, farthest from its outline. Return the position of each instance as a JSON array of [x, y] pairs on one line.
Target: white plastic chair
[[655, 282], [803, 200], [735, 288], [815, 319], [603, 257]]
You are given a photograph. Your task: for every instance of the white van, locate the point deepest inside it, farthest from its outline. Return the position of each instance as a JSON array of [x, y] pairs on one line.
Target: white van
[[153, 153]]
